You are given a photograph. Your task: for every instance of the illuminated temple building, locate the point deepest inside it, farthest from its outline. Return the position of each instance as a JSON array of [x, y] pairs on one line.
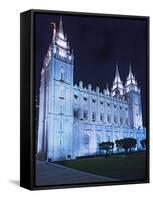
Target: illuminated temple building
[[74, 119]]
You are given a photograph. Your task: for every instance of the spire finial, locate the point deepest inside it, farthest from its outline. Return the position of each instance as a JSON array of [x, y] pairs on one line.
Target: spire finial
[[107, 90], [61, 26], [117, 72], [60, 29], [130, 71], [107, 87]]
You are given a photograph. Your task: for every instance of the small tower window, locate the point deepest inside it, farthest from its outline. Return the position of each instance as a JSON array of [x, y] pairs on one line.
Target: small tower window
[[62, 74], [61, 91]]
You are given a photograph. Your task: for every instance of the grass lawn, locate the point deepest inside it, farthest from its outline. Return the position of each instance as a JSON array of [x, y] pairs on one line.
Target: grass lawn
[[122, 167]]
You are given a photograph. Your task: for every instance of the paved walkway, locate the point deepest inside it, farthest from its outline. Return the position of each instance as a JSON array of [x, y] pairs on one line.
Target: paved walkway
[[53, 174]]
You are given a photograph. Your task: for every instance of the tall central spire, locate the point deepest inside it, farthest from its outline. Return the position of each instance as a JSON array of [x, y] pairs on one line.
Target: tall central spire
[[60, 31], [60, 43]]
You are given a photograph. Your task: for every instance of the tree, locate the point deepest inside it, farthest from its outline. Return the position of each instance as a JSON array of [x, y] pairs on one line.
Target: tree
[[143, 143], [69, 157], [127, 144], [118, 145], [106, 146]]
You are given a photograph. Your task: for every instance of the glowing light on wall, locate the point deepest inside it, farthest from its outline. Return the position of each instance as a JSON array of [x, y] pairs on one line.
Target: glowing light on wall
[[62, 43], [62, 53], [61, 35]]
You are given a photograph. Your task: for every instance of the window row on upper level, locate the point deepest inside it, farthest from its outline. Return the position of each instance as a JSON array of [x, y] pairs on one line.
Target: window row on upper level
[[108, 118]]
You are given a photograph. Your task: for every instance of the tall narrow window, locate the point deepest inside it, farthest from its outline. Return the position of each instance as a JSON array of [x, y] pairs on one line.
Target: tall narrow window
[[85, 115], [61, 109], [62, 74], [126, 121], [101, 117], [93, 116], [121, 120], [61, 92], [61, 126], [86, 139], [60, 143], [115, 119], [108, 118]]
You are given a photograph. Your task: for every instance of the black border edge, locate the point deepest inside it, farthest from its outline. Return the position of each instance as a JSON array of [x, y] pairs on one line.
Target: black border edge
[[148, 98], [27, 150], [24, 100]]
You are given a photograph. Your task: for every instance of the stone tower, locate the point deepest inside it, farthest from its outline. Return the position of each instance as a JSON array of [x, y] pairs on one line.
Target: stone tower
[[56, 100], [134, 100]]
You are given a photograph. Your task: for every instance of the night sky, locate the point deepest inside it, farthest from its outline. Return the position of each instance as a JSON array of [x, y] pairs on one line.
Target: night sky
[[98, 43]]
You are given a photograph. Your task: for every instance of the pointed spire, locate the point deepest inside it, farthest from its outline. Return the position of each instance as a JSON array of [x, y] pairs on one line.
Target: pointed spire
[[130, 76], [117, 84], [131, 83], [60, 31], [117, 75], [107, 90]]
